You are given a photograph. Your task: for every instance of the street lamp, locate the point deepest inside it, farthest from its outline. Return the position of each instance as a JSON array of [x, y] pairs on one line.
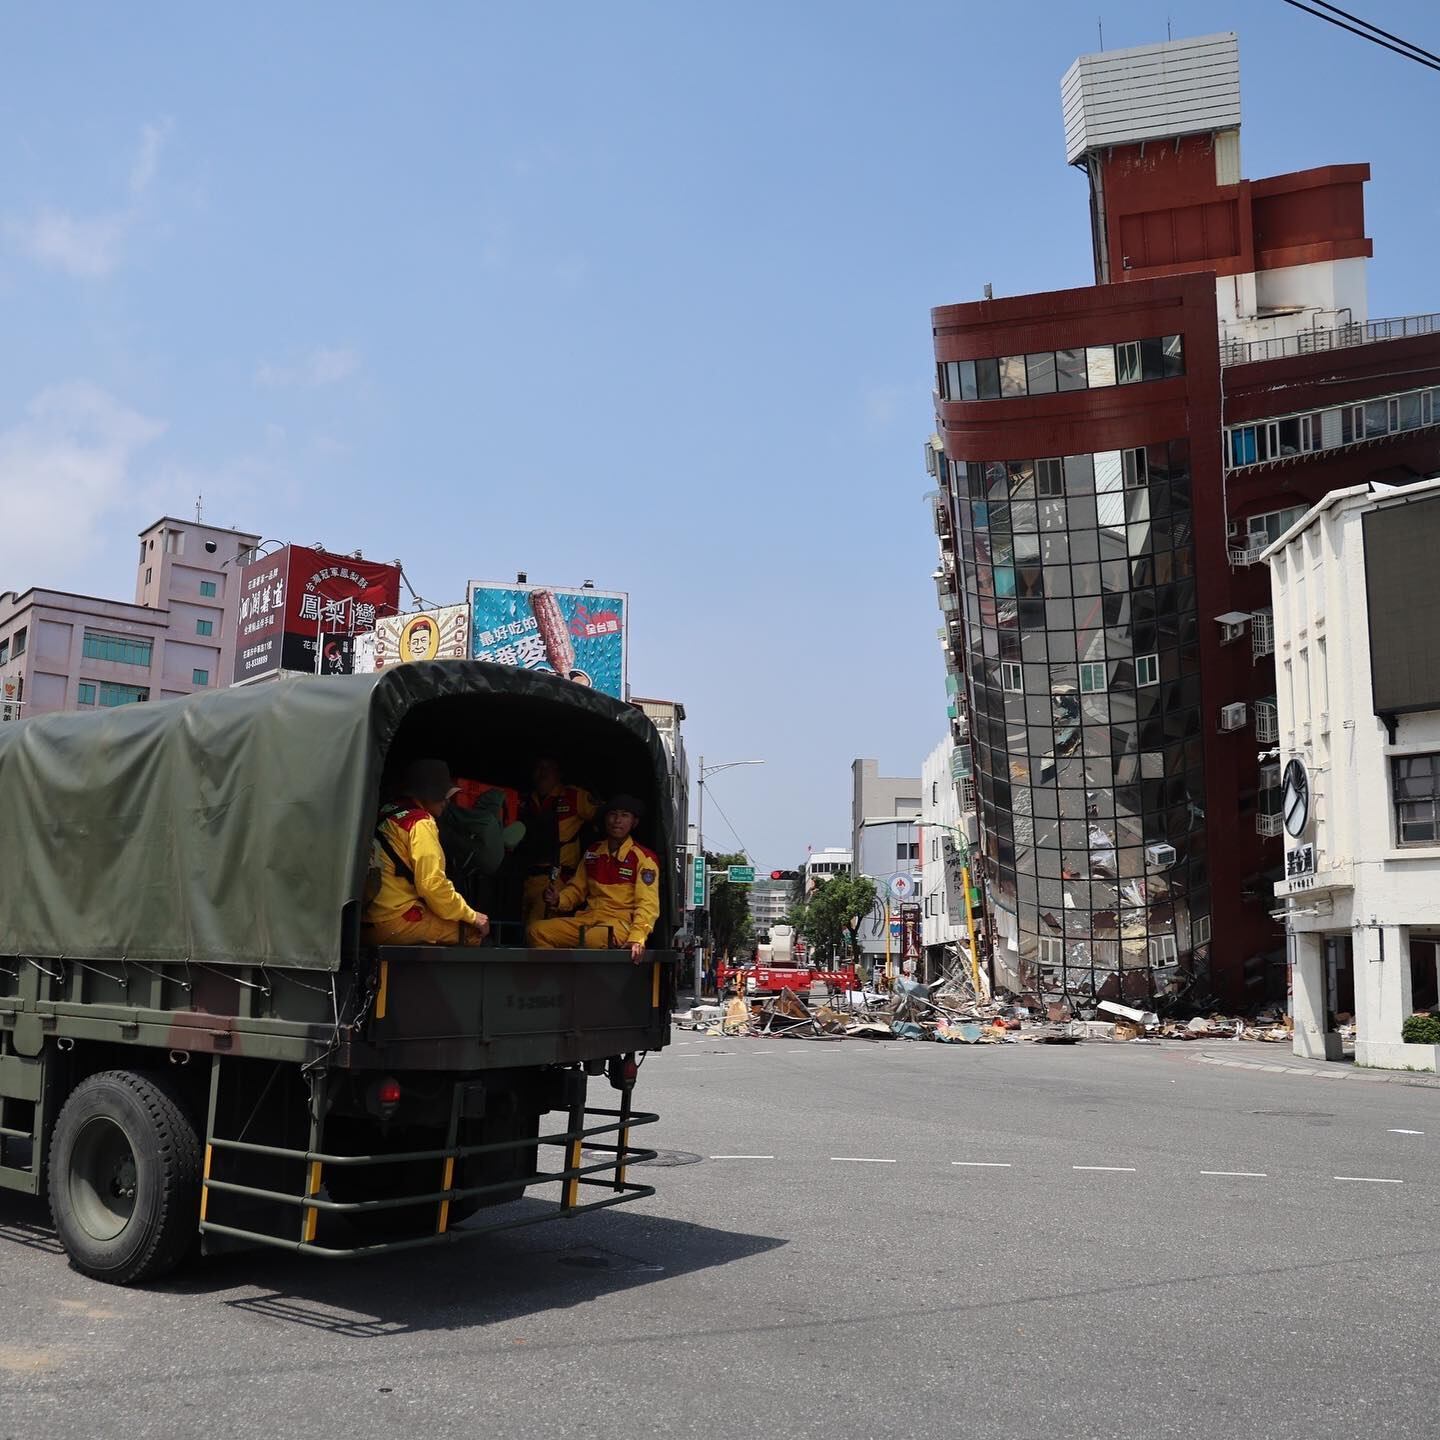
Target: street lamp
[[700, 858]]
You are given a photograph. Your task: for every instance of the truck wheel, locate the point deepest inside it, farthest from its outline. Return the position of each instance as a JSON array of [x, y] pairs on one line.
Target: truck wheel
[[124, 1177]]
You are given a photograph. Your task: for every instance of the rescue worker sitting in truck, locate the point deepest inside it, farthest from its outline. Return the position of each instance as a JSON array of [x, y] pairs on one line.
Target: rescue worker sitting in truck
[[555, 813], [415, 902], [617, 886]]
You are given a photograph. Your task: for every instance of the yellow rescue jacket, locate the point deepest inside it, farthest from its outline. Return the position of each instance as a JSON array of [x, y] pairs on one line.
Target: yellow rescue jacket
[[620, 889], [415, 837]]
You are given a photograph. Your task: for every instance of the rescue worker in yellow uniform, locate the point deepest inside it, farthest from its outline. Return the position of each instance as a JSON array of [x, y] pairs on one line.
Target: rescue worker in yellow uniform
[[617, 886], [557, 812], [416, 904]]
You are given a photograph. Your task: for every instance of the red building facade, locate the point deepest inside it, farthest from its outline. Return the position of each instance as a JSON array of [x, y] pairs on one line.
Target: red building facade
[[1114, 459]]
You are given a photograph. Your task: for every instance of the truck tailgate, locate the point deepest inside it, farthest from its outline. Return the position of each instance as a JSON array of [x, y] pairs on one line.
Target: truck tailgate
[[470, 1009]]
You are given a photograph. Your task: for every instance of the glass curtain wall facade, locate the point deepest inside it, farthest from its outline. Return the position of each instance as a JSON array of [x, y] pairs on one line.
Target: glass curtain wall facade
[[1082, 651]]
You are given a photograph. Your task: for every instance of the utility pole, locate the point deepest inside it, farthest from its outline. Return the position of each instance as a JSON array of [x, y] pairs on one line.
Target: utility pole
[[700, 856]]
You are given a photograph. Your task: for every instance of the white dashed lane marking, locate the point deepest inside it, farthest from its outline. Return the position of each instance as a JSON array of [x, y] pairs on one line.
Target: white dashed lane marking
[[984, 1164], [1115, 1169], [1239, 1174], [1369, 1179], [861, 1160], [1404, 1132]]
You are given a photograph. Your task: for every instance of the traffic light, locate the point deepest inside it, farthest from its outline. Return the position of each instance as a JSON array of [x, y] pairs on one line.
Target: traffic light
[[784, 874]]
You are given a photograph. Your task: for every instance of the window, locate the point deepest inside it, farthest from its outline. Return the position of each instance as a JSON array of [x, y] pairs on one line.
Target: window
[[149, 574], [1100, 365], [118, 649], [1049, 478], [1417, 798], [1040, 373], [87, 693], [1174, 348], [1135, 472], [905, 851], [112, 695], [1127, 363], [1200, 931], [934, 792], [199, 677], [204, 627], [1163, 950], [174, 542], [1011, 676], [17, 647], [1012, 375], [1147, 670], [4, 652], [1092, 677], [207, 589], [1052, 950], [1070, 370], [1266, 529], [987, 379]]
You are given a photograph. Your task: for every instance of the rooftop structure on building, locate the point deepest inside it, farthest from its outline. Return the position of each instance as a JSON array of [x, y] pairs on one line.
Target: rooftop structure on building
[[64, 651], [1110, 462]]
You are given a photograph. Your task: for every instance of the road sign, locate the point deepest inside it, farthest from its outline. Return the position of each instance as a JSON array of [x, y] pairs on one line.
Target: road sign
[[697, 882], [901, 887], [742, 874], [1295, 798]]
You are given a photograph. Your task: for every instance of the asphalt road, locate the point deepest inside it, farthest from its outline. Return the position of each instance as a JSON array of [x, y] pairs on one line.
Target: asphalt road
[[913, 1240]]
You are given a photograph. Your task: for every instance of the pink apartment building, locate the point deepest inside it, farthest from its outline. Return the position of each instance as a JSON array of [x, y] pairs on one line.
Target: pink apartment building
[[72, 652]]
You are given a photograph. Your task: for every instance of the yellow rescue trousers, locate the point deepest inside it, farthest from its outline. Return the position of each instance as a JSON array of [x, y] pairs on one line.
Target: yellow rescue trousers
[[427, 929], [585, 930]]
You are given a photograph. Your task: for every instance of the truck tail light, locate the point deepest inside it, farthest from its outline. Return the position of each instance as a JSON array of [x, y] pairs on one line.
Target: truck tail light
[[387, 1094], [624, 1071]]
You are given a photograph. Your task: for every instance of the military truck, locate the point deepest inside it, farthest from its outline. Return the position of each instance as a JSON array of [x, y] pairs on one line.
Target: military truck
[[197, 1051]]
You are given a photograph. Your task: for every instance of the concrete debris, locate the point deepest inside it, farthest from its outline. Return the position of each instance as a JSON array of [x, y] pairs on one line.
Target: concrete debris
[[948, 1012]]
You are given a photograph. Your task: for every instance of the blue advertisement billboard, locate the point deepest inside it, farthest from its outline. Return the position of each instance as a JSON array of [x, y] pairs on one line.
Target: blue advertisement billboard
[[580, 634]]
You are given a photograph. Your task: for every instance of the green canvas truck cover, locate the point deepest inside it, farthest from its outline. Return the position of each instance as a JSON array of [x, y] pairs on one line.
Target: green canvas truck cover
[[233, 827]]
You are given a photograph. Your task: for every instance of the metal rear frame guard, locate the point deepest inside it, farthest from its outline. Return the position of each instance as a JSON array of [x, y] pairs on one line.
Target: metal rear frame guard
[[577, 1137]]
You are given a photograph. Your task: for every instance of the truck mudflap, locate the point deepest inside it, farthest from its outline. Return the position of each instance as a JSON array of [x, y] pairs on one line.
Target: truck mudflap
[[595, 1153]]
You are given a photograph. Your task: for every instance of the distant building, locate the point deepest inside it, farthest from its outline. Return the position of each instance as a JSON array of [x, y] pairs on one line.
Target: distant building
[[770, 902], [62, 651], [1356, 767], [878, 797], [943, 849], [821, 865], [667, 717]]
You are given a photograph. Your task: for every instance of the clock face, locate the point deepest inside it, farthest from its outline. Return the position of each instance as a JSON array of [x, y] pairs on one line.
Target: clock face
[[1295, 798]]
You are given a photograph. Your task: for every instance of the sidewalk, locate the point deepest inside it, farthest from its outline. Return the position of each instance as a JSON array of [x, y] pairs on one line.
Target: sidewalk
[[1320, 1069]]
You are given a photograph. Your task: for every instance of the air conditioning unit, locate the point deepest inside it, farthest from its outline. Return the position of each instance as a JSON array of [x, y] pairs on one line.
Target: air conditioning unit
[[1232, 717], [1160, 856]]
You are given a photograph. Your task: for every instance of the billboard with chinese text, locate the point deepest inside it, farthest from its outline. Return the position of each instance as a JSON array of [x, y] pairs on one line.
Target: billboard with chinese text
[[442, 634], [580, 634], [297, 603]]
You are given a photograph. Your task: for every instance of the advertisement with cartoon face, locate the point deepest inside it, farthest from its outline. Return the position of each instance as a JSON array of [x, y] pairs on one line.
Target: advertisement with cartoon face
[[579, 634], [442, 634]]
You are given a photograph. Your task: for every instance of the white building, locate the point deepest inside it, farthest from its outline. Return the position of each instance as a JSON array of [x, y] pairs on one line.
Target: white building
[[1357, 650], [821, 865], [770, 902], [943, 848]]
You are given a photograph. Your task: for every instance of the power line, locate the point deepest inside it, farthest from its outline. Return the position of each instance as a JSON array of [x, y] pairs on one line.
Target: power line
[[1372, 33], [743, 848]]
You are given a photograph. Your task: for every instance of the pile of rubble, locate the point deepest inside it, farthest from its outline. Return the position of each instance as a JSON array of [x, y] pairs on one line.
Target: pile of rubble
[[949, 1012]]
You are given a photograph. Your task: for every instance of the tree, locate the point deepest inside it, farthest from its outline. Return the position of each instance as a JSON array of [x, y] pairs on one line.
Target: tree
[[835, 912], [729, 909]]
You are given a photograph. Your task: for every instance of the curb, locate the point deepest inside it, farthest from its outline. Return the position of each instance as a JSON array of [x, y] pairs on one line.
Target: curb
[[1331, 1071]]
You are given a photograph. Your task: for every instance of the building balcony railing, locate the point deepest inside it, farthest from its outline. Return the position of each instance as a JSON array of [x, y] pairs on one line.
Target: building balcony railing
[[1342, 337], [1262, 633], [1267, 721], [1247, 554], [1269, 824]]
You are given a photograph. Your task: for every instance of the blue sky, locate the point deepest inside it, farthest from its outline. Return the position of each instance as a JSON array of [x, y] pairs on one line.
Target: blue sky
[[636, 293]]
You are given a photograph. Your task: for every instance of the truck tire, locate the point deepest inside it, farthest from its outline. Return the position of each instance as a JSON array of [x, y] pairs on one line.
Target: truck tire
[[124, 1177]]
